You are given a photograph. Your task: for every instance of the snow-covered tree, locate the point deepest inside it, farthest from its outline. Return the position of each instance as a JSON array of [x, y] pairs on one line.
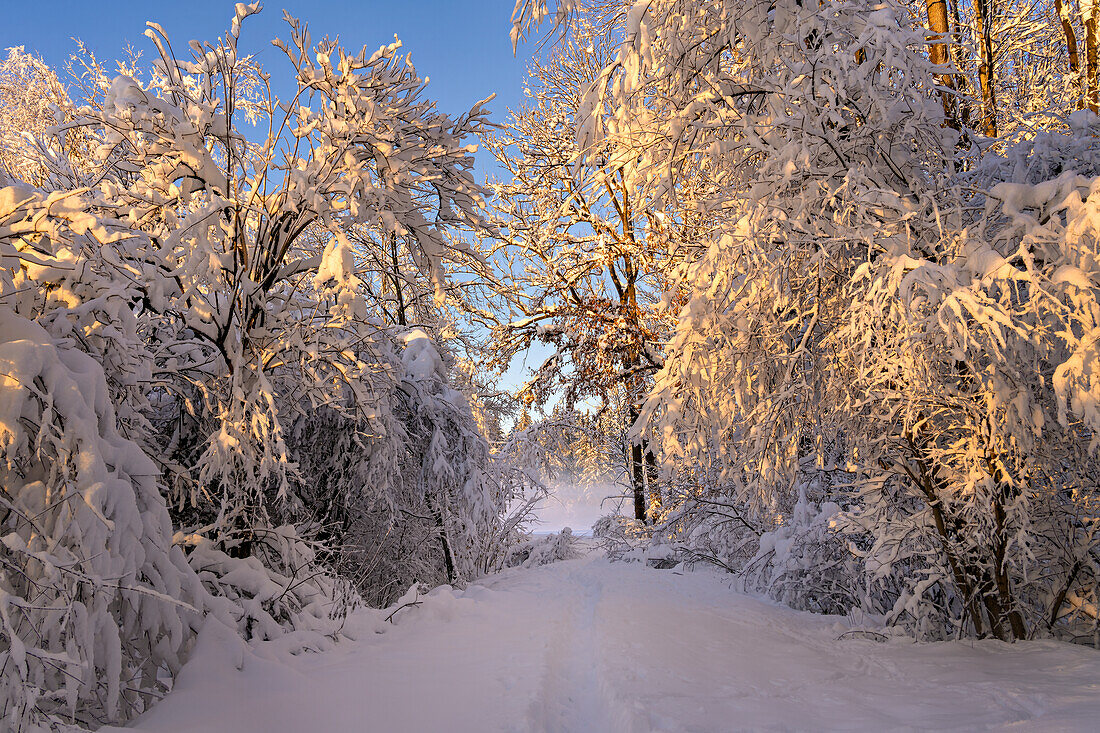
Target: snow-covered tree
[[588, 245], [31, 100], [854, 374], [199, 398]]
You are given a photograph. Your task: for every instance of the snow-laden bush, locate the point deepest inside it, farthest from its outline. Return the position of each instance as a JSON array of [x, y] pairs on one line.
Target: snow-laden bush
[[1034, 156], [414, 494], [279, 592], [622, 538], [537, 551], [805, 564], [95, 601], [366, 531], [448, 464]]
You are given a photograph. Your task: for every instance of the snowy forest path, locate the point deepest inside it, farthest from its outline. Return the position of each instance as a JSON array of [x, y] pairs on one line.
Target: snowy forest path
[[589, 645], [571, 698]]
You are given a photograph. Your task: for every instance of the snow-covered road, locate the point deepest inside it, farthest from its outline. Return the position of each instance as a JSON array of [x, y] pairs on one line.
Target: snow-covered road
[[588, 645]]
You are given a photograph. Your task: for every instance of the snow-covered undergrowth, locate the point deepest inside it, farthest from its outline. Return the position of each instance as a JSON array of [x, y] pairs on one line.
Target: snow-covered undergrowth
[[543, 550], [95, 601]]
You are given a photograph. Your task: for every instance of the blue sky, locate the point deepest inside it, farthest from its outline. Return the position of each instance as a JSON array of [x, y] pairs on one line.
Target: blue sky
[[461, 45]]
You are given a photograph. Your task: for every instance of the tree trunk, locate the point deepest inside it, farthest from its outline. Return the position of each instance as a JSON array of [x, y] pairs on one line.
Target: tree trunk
[[1093, 94], [436, 512], [961, 573], [653, 490], [445, 545], [1071, 37], [637, 470], [937, 53], [964, 106], [629, 302], [937, 24], [1060, 597], [1003, 495], [400, 296], [983, 13], [1071, 50]]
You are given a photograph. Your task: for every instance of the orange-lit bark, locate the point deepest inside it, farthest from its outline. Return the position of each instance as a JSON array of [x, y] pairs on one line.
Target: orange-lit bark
[[937, 53], [1092, 97], [1071, 48], [983, 12]]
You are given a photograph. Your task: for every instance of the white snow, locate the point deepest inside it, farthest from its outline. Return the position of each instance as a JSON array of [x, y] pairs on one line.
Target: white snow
[[421, 359], [588, 645]]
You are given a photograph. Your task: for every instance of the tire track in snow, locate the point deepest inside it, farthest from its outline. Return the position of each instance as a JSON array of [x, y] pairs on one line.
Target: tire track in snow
[[574, 696]]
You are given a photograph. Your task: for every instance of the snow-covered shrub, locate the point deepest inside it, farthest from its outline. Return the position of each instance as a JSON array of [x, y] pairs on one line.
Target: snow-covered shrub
[[348, 472], [543, 550], [622, 538], [414, 493], [802, 558], [278, 592], [711, 534], [448, 464], [806, 564], [1034, 156], [98, 603], [95, 601]]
